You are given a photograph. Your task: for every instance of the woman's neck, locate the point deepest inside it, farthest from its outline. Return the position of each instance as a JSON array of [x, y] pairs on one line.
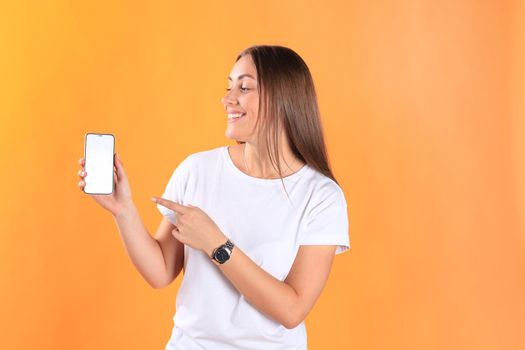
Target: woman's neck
[[257, 162]]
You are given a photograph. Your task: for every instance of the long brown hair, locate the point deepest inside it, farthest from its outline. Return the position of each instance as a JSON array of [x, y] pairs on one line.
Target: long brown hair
[[288, 99]]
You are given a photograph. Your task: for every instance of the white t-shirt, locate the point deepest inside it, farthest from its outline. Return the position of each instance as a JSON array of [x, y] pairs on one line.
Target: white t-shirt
[[259, 219]]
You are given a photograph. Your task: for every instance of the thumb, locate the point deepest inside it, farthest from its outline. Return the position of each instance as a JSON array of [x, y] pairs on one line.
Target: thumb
[[120, 167], [175, 232], [117, 158]]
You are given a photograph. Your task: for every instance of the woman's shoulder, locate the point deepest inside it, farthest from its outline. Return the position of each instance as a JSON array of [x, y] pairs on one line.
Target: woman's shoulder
[[324, 187], [207, 155]]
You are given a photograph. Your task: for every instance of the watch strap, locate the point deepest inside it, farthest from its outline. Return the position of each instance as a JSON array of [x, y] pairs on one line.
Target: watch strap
[[229, 244]]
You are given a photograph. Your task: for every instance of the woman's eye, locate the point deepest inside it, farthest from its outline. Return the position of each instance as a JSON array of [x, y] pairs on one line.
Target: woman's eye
[[243, 89]]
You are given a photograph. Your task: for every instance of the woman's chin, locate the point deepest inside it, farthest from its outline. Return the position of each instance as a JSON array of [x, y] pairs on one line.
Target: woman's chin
[[233, 136]]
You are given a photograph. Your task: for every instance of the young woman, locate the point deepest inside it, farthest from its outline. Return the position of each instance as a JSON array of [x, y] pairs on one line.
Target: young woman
[[254, 225]]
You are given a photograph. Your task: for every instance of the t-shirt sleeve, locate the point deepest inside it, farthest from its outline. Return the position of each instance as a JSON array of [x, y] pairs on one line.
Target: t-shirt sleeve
[[327, 221], [175, 189]]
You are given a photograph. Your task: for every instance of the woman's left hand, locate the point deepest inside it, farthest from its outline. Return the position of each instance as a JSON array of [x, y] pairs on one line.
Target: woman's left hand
[[194, 227]]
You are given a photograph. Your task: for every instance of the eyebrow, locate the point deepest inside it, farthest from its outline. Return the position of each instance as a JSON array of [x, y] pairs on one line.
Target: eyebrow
[[243, 76]]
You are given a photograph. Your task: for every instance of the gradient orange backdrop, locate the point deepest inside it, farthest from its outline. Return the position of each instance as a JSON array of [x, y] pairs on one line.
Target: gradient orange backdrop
[[423, 108]]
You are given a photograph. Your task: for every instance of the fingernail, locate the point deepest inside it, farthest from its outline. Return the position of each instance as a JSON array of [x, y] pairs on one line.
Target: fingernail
[[153, 199]]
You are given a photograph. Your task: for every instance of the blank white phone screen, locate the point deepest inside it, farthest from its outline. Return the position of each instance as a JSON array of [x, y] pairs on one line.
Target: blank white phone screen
[[98, 155]]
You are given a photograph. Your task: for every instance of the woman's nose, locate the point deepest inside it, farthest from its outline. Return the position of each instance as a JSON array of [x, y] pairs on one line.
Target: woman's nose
[[228, 99]]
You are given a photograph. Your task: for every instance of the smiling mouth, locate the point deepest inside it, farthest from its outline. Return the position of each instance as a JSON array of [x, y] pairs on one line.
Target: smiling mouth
[[233, 117]]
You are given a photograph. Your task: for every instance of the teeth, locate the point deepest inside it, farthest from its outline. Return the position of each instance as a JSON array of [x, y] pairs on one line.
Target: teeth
[[237, 115]]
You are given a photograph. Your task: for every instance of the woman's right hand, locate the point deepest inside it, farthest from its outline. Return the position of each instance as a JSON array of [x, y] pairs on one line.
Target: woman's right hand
[[121, 196]]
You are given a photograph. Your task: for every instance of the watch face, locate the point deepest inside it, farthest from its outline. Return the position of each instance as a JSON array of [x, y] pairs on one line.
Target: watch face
[[222, 255]]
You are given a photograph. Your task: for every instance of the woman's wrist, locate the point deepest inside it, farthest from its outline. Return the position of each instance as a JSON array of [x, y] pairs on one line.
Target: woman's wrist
[[124, 210], [220, 240]]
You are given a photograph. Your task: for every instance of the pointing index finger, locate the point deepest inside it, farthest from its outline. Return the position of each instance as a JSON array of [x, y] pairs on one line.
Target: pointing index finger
[[170, 204]]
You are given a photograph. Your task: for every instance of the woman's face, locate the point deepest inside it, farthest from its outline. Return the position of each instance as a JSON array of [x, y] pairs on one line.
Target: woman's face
[[242, 98]]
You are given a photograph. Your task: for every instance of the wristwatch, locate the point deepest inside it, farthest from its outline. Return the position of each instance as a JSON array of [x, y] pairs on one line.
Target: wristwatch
[[222, 253]]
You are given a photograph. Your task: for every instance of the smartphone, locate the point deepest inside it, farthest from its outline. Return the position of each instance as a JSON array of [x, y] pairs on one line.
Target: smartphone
[[99, 158]]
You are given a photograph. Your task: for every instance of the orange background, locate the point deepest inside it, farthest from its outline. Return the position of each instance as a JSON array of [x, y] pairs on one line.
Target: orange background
[[423, 108]]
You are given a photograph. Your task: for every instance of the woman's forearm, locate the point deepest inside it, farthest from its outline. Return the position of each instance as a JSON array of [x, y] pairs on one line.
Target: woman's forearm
[[143, 250], [274, 298]]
